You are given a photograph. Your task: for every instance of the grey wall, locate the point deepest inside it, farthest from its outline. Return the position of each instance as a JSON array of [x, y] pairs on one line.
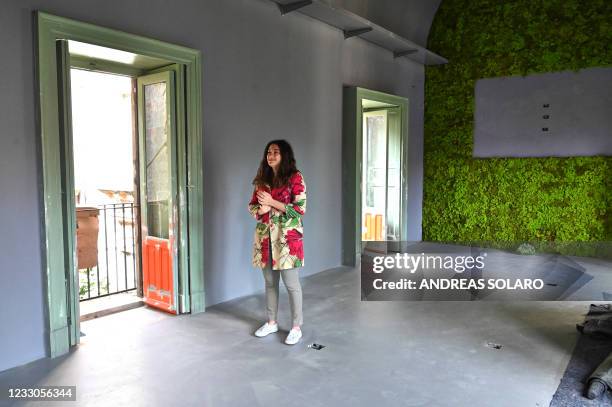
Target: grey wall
[[558, 114], [264, 77]]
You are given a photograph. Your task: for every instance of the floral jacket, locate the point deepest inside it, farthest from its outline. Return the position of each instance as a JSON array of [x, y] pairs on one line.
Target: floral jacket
[[283, 230]]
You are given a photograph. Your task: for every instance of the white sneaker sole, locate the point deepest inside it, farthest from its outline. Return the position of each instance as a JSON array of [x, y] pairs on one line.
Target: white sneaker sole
[[261, 335], [293, 343]]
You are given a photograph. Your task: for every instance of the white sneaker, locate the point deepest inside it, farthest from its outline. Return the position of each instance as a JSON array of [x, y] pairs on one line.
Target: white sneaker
[[294, 336], [266, 329]]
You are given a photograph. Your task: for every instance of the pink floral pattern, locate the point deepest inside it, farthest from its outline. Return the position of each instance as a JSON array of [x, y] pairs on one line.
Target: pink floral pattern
[[284, 231], [265, 249]]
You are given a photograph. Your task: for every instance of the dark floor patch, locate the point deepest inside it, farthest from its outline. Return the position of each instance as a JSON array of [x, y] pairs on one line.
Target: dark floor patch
[[588, 354]]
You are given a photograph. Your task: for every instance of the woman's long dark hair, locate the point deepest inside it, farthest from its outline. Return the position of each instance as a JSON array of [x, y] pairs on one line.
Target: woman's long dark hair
[[265, 174]]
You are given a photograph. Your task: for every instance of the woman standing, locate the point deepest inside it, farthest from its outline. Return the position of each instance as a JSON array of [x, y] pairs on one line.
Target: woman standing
[[278, 204]]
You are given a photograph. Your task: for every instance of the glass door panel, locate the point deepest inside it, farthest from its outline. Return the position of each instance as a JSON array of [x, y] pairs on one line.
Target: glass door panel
[[374, 178], [381, 180], [157, 160]]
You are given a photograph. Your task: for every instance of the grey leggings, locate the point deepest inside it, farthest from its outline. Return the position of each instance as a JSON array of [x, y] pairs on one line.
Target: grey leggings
[[291, 279]]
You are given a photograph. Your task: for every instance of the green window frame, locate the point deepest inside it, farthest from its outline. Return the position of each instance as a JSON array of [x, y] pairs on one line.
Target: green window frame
[[55, 143]]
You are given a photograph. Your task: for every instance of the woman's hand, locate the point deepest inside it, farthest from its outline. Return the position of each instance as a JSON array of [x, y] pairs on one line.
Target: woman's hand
[[264, 198], [264, 209]]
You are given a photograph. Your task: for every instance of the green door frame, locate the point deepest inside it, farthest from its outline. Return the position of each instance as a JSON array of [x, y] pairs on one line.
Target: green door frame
[[57, 223], [352, 150]]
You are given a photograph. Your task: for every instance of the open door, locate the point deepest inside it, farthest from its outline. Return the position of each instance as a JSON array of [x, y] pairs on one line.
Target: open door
[[394, 233], [158, 189], [67, 187], [374, 181], [374, 173], [381, 180]]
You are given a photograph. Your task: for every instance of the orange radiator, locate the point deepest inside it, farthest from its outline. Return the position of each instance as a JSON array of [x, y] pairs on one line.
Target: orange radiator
[[374, 227], [378, 227], [368, 225], [157, 276]]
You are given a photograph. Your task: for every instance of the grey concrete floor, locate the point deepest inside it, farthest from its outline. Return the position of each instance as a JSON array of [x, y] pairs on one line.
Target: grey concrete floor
[[376, 353]]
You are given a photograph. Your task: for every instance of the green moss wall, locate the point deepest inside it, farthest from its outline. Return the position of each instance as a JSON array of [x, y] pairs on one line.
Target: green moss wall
[[510, 200]]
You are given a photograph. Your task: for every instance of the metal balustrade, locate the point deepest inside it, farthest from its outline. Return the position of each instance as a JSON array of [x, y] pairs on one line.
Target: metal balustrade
[[117, 268]]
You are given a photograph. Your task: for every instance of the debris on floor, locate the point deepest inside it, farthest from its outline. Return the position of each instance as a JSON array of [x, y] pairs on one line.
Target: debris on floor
[[600, 380], [588, 378]]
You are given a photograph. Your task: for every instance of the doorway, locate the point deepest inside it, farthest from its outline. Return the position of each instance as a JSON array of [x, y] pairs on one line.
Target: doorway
[[107, 197], [381, 176], [168, 191], [124, 164], [138, 222], [129, 119], [374, 172]]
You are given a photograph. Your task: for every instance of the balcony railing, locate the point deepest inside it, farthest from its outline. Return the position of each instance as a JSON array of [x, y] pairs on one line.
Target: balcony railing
[[116, 270]]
